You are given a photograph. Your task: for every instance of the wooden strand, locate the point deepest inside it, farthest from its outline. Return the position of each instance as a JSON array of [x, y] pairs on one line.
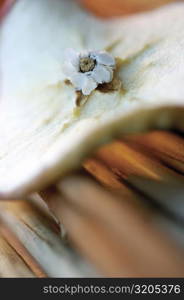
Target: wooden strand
[[11, 265]]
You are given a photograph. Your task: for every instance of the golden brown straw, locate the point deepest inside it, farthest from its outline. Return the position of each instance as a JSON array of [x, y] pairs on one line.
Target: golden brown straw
[[145, 173], [112, 233], [16, 244], [166, 146], [109, 179], [128, 222]]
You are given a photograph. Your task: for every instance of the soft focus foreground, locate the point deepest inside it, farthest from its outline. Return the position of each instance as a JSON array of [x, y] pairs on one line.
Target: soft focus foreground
[[123, 212]]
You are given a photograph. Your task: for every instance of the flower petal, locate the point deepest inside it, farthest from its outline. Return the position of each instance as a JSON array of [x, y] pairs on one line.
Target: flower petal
[[69, 69], [84, 53], [79, 80], [110, 72], [72, 56], [89, 85], [105, 59], [102, 74]]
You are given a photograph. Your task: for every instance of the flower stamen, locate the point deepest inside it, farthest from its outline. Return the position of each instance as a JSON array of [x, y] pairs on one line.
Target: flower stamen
[[86, 64]]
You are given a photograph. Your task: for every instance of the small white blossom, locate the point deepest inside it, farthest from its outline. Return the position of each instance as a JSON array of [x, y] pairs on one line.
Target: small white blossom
[[88, 69]]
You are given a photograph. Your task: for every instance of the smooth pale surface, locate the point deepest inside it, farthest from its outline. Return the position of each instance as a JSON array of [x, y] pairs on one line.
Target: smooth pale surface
[[42, 135], [109, 8]]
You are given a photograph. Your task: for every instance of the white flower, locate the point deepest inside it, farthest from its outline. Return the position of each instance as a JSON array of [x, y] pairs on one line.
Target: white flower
[[88, 69]]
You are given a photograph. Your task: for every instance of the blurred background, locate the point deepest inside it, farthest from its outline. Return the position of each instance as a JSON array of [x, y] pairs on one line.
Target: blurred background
[[107, 8]]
